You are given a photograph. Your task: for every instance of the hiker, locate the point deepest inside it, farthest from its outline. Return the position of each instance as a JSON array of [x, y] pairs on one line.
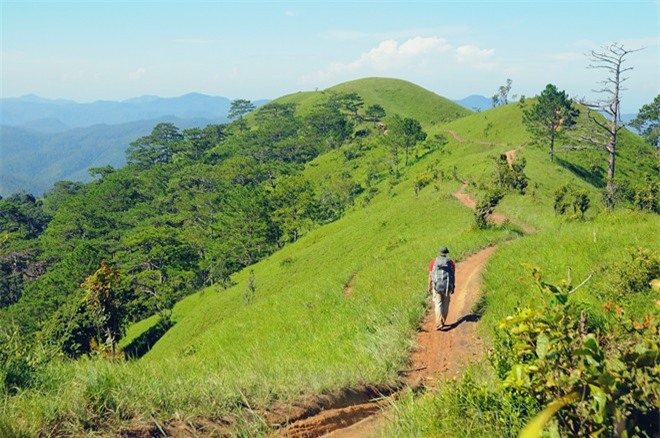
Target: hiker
[[442, 274]]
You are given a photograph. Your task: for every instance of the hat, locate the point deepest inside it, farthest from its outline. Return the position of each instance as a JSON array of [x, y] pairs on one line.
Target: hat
[[443, 250]]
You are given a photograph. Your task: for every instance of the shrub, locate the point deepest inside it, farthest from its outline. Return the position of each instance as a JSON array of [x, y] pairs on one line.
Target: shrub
[[636, 273], [421, 180], [647, 196], [608, 386], [568, 198], [18, 365], [485, 207], [511, 177]]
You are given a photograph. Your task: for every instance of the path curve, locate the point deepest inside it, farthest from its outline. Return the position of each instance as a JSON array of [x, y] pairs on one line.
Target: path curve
[[467, 200], [510, 154], [438, 353]]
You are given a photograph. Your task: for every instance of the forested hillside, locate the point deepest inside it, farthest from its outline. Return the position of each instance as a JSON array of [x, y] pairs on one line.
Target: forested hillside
[[230, 270], [34, 158], [191, 208]]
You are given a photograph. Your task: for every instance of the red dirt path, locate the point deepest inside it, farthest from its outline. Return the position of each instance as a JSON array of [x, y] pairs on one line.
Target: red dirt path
[[438, 353]]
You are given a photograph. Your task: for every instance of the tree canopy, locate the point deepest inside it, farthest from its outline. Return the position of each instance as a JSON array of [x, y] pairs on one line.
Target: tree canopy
[[648, 121], [551, 116], [190, 209]]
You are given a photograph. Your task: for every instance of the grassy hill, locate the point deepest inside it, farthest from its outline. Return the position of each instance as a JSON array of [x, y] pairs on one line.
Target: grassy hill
[[339, 307], [394, 95]]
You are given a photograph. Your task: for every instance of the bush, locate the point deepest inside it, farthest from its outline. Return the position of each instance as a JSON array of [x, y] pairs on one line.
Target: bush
[[568, 198], [636, 274], [647, 196], [608, 386], [511, 177], [421, 180], [486, 206], [17, 365]]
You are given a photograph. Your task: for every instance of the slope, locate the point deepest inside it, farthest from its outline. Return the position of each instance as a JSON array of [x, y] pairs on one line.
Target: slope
[[32, 161], [396, 96], [337, 309]]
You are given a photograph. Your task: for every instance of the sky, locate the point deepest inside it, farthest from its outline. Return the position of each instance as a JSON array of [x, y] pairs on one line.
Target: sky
[[115, 50]]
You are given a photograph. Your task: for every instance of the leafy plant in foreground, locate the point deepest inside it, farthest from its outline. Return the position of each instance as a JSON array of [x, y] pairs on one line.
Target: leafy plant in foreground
[[598, 384]]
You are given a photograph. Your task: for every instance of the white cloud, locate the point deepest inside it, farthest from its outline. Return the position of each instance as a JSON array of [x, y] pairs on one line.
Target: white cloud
[[291, 13], [475, 56], [137, 74], [419, 46], [389, 55]]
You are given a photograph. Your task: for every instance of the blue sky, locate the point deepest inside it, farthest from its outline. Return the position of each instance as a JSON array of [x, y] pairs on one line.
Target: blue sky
[[114, 50]]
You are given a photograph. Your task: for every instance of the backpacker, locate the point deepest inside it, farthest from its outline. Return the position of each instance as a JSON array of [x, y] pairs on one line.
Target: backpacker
[[442, 275]]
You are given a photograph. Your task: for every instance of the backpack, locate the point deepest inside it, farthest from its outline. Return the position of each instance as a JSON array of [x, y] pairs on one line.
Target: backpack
[[442, 275]]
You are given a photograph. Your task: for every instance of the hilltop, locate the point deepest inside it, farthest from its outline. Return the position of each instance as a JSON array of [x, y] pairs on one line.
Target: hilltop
[[298, 256], [394, 95]]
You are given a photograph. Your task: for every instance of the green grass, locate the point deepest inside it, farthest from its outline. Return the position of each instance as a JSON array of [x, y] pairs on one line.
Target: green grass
[[303, 334], [593, 248], [394, 95], [508, 285], [596, 247], [469, 406]]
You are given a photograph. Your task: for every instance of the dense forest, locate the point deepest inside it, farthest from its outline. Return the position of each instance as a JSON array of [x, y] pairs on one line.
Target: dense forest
[[190, 208]]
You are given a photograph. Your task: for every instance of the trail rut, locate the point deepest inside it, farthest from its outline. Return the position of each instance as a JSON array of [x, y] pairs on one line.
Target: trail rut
[[438, 353]]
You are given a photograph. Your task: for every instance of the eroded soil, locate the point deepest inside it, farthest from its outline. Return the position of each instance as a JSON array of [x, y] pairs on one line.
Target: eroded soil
[[438, 354]]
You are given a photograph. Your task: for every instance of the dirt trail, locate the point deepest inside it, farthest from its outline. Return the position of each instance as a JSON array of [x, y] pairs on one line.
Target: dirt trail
[[438, 353], [466, 199], [510, 154], [463, 140]]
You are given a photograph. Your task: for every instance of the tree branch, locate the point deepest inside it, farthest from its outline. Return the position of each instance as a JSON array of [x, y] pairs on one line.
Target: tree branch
[[581, 284]]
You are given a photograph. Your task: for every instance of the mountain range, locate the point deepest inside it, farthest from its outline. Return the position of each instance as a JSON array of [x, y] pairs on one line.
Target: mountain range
[[56, 115], [47, 140]]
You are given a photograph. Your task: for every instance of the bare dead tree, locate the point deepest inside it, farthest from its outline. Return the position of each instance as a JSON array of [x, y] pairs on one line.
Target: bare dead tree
[[610, 59]]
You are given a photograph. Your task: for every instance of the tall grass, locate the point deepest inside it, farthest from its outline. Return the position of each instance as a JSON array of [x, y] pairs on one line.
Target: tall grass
[[470, 406]]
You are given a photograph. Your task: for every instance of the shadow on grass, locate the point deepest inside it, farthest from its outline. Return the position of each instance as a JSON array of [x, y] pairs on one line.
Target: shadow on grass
[[143, 343], [579, 171]]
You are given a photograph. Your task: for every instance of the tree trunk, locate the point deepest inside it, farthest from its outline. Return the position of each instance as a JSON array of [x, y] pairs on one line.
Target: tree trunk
[[552, 144]]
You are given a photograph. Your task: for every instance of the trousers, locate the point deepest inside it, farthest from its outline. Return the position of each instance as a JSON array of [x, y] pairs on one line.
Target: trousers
[[441, 306]]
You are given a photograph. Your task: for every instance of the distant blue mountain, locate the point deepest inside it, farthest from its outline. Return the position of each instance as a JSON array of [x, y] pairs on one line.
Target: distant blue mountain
[[32, 160], [44, 140], [476, 102], [28, 109]]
